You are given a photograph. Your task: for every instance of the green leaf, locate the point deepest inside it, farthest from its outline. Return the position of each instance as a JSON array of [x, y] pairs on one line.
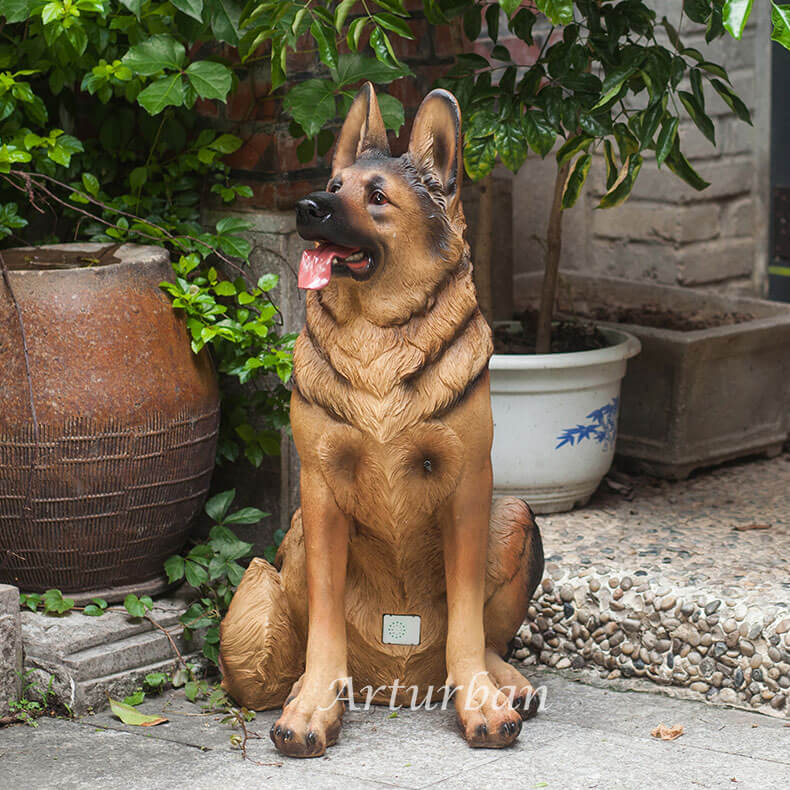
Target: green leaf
[[492, 22], [355, 32], [195, 574], [473, 22], [227, 144], [780, 18], [174, 568], [575, 181], [713, 68], [521, 25], [695, 77], [193, 8], [611, 164], [135, 699], [666, 139], [572, 147], [326, 46], [380, 43], [511, 143], [30, 600], [91, 610], [135, 6], [613, 83], [210, 80], [91, 184], [479, 156], [732, 100], [138, 177], [311, 104], [392, 112], [134, 606], [680, 166], [65, 147], [155, 679], [559, 12], [268, 281], [621, 189], [509, 6], [697, 10], [55, 603], [217, 507], [355, 67], [164, 92], [225, 16], [650, 120], [701, 120], [341, 12], [246, 515], [539, 133], [393, 23], [225, 288], [155, 54], [735, 15], [131, 716], [16, 10]]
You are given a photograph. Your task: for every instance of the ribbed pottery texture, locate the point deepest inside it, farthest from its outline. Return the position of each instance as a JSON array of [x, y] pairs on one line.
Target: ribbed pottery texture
[[106, 486]]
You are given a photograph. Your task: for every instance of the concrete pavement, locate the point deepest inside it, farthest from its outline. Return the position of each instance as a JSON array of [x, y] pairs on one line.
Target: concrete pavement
[[585, 738]]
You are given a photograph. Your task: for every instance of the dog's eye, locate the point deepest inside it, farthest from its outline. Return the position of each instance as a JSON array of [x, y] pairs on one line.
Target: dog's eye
[[335, 187], [378, 198]]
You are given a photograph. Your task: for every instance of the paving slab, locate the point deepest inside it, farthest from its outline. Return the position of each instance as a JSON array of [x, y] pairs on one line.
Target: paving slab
[[682, 587], [585, 738]]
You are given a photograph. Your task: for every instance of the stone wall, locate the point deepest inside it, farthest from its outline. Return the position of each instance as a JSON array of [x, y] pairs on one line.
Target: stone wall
[[10, 647], [666, 232]]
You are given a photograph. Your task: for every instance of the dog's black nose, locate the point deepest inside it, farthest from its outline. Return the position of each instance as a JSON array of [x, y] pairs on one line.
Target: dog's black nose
[[312, 208]]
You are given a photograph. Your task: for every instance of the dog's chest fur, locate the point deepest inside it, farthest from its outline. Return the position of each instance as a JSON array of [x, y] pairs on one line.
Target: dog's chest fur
[[385, 453]]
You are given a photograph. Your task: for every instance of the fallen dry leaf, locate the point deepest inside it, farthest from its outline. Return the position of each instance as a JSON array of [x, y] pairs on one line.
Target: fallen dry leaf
[[667, 733], [129, 715], [746, 527]]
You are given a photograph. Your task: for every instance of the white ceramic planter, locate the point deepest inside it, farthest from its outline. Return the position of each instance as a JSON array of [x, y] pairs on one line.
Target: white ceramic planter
[[555, 421]]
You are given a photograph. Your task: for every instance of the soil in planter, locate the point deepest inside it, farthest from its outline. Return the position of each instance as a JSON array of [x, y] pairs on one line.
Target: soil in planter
[[660, 318], [567, 336]]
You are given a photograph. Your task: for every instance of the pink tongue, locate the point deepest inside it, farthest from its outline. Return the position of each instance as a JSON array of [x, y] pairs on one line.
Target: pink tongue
[[315, 268]]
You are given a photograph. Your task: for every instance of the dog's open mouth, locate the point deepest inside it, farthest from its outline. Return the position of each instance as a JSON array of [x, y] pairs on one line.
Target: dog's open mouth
[[321, 262]]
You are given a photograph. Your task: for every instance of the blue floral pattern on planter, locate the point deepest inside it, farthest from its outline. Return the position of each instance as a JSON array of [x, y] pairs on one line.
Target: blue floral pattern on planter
[[602, 428]]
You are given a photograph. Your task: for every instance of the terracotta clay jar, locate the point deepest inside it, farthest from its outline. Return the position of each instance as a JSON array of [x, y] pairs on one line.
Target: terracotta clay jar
[[108, 435]]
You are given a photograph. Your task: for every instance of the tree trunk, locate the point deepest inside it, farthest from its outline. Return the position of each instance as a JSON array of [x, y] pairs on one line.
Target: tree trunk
[[483, 245], [553, 250]]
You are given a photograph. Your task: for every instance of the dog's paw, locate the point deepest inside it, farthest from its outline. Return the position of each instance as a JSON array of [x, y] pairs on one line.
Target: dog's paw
[[311, 719], [485, 716]]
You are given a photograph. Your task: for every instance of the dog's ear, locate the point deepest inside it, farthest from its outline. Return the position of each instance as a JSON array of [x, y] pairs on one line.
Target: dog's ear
[[363, 130], [435, 141]]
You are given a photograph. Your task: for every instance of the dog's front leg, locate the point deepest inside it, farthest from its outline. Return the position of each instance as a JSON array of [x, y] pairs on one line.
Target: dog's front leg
[[484, 713], [312, 713]]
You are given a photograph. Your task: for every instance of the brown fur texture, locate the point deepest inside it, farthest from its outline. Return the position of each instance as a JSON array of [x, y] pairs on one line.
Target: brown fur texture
[[391, 417]]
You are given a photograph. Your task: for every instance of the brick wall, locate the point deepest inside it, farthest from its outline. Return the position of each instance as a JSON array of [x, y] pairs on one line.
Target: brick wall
[[667, 232], [267, 160]]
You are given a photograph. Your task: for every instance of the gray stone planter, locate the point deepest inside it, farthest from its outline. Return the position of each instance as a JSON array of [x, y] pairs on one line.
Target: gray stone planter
[[696, 398]]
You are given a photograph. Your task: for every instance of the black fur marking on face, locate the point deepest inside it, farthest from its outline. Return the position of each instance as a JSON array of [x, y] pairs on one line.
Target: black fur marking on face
[[430, 192]]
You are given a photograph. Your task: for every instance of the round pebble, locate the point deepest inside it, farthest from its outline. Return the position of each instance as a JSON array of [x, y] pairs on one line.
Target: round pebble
[[728, 696]]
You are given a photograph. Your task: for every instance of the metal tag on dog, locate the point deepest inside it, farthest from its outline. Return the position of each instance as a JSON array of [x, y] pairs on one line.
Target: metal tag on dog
[[400, 629]]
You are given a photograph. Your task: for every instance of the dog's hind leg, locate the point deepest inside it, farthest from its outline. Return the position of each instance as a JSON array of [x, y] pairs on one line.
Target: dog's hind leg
[[262, 646], [515, 566]]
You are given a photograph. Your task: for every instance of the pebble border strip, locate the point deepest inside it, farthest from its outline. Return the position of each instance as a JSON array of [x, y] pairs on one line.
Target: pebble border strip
[[631, 627]]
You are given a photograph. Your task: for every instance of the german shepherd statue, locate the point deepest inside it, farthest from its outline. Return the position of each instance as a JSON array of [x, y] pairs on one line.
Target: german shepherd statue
[[391, 417]]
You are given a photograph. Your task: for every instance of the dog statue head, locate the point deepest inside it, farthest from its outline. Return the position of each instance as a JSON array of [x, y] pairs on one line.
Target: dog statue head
[[388, 229]]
